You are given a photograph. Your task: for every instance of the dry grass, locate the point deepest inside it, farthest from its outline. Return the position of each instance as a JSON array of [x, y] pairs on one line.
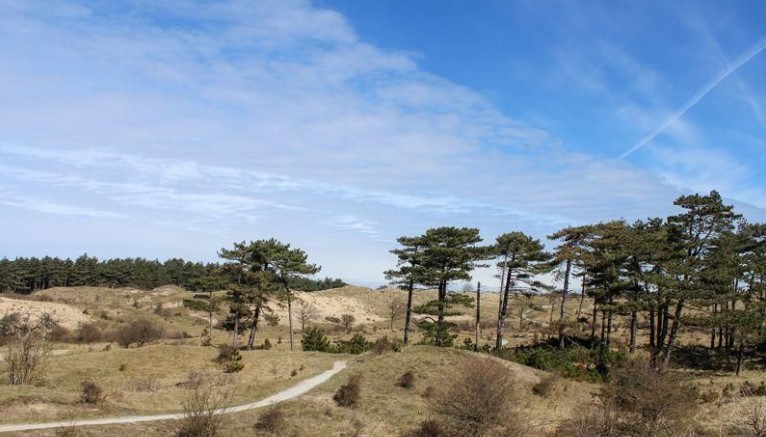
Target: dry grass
[[166, 367]]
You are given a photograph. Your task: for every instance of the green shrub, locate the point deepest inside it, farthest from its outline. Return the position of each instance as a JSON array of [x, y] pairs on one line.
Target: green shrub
[[195, 305], [357, 345], [314, 340], [230, 357]]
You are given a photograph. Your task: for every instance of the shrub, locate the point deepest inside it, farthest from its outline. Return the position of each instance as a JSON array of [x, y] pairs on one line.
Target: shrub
[[143, 384], [347, 320], [89, 332], [195, 305], [479, 400], [407, 380], [200, 405], [123, 367], [356, 345], [28, 347], [750, 389], [546, 386], [429, 392], [230, 357], [91, 393], [651, 401], [60, 334], [314, 340], [383, 345], [272, 421], [271, 319], [234, 365], [225, 352], [348, 393], [428, 428], [138, 332], [750, 416], [265, 346]]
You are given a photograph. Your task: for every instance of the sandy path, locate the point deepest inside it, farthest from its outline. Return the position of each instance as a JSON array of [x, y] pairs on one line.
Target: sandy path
[[291, 393]]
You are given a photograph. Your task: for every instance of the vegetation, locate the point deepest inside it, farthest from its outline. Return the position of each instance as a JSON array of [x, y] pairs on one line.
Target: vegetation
[[138, 332], [28, 346], [479, 401], [27, 275], [348, 394], [200, 407]]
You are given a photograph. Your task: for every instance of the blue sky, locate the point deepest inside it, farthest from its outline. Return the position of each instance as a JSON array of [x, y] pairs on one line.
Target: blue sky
[[175, 128]]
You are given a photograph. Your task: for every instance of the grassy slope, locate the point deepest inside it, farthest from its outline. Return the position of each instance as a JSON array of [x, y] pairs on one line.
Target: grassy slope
[[148, 383], [385, 409]]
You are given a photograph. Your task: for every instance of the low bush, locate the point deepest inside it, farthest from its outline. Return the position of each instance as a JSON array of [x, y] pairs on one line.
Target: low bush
[[230, 358], [91, 393], [750, 389], [348, 394], [89, 332], [429, 428], [479, 400], [546, 386], [138, 332], [574, 361], [195, 305], [383, 345], [272, 421], [200, 405], [356, 345], [407, 380]]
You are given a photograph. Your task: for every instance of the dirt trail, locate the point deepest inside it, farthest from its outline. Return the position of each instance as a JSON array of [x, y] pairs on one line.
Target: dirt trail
[[290, 393]]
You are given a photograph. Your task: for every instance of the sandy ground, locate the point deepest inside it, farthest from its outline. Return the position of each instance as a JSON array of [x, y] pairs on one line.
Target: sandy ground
[[291, 393], [65, 315]]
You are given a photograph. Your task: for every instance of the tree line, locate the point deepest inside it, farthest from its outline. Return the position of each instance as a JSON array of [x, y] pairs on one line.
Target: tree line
[[27, 275], [701, 268]]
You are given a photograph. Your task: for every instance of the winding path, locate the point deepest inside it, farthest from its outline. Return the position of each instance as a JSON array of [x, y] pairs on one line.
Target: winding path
[[290, 393]]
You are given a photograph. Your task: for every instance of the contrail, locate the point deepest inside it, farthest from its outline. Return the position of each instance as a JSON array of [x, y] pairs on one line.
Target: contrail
[[739, 62]]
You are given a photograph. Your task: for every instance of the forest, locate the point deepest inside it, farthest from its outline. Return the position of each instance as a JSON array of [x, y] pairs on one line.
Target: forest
[[27, 275]]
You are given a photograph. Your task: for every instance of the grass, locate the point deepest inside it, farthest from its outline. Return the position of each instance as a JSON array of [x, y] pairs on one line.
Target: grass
[[150, 380]]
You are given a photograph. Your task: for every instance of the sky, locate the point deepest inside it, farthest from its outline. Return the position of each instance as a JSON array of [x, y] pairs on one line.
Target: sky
[[176, 128]]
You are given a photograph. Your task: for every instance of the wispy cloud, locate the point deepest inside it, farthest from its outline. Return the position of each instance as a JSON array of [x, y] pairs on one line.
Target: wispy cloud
[[741, 60]]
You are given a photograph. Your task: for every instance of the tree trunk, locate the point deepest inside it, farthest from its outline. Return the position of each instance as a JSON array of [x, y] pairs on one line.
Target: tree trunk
[[290, 317], [673, 334], [582, 296], [408, 313], [652, 344], [564, 292], [236, 331], [633, 331], [211, 307], [712, 330], [504, 311], [254, 327], [593, 321], [439, 341], [478, 316], [500, 294], [741, 356]]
